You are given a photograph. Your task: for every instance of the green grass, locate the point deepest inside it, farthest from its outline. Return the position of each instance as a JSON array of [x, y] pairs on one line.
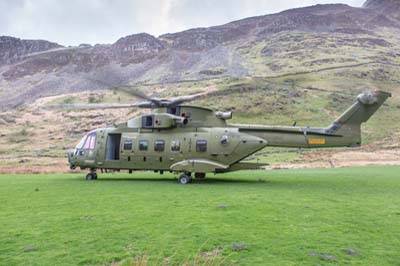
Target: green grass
[[283, 217]]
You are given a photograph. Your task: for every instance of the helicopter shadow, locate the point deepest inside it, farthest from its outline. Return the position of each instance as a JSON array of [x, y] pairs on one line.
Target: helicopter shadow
[[280, 184], [175, 180]]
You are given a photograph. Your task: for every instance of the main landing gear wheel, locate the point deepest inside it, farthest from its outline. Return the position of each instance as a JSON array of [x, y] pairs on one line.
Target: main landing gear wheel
[[91, 176], [185, 179]]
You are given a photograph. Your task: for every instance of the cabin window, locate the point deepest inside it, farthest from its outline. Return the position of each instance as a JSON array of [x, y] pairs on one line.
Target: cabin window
[[176, 110], [143, 145], [159, 145], [175, 145], [147, 121], [90, 141], [128, 144], [201, 146]]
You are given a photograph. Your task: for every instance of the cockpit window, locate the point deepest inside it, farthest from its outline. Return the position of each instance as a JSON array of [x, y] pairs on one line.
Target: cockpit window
[[90, 141], [81, 142]]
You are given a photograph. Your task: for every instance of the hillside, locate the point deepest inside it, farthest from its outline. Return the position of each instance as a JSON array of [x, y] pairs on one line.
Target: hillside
[[298, 40], [305, 65], [390, 8]]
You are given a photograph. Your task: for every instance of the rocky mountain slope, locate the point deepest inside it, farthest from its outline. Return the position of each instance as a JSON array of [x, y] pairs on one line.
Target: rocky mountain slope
[[389, 8], [13, 49], [298, 40]]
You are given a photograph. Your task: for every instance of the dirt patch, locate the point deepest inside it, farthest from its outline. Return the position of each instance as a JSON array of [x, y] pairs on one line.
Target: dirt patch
[[349, 158]]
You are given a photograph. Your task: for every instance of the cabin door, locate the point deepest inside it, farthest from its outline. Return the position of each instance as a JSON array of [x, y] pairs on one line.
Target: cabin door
[[113, 147]]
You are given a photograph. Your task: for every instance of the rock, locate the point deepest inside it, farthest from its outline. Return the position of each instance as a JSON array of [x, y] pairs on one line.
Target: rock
[[13, 49], [30, 248], [85, 45], [222, 206], [328, 257], [136, 48], [323, 256], [7, 118], [212, 72], [351, 252], [238, 246]]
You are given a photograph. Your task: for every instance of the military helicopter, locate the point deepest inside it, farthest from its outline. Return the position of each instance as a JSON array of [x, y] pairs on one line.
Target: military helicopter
[[193, 140]]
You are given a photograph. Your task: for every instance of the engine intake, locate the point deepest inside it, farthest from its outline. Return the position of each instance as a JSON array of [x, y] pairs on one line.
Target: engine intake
[[224, 115]]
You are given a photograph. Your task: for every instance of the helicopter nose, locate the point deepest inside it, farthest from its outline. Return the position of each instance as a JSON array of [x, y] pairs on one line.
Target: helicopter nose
[[70, 155]]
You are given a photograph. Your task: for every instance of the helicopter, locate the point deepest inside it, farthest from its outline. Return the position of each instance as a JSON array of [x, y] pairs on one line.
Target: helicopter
[[193, 141]]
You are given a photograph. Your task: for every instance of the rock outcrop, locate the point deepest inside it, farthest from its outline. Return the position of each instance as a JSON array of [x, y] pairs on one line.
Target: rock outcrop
[[14, 49]]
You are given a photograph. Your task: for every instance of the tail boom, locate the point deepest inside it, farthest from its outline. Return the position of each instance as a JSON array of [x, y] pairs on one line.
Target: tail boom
[[345, 131]]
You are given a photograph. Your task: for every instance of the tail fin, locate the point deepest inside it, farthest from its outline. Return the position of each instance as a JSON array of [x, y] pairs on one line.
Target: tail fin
[[349, 123]]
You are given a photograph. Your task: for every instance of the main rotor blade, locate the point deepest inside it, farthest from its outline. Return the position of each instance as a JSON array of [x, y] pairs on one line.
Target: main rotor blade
[[137, 93], [181, 100], [130, 89], [91, 106]]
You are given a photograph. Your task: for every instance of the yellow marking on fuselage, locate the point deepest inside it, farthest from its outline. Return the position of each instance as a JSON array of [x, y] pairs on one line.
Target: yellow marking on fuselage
[[316, 141]]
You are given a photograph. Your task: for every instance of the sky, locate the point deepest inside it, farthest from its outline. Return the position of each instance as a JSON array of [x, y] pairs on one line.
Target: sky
[[72, 22]]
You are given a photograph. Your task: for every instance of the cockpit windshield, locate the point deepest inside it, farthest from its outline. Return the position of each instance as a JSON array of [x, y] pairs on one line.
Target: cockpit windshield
[[87, 142], [90, 141], [81, 142]]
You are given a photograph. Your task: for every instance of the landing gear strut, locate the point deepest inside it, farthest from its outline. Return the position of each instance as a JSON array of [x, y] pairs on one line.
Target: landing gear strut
[[92, 175], [200, 175], [185, 178]]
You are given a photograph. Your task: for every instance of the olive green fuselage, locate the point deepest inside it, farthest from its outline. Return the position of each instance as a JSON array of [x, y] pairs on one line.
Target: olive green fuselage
[[177, 145]]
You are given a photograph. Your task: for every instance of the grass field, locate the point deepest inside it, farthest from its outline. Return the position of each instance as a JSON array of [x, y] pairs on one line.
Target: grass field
[[279, 217]]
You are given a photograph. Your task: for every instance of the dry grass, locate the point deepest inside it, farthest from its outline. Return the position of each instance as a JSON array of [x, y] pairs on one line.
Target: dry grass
[[205, 258]]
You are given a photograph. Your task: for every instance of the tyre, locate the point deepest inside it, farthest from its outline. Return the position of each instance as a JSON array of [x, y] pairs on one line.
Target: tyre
[[185, 179], [89, 176]]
